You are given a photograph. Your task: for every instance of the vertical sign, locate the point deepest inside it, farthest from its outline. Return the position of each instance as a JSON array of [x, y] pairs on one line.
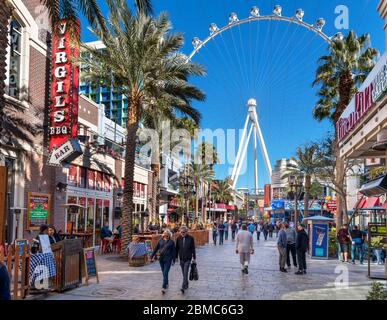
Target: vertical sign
[[320, 241], [64, 145], [38, 210]]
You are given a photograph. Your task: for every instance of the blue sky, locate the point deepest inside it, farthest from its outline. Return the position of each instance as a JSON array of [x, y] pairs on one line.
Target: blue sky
[[273, 62]]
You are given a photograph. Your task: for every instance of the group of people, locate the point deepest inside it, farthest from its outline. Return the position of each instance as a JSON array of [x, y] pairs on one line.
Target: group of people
[[355, 239], [169, 252]]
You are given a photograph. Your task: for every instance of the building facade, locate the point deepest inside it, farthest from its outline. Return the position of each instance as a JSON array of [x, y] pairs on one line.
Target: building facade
[[38, 193]]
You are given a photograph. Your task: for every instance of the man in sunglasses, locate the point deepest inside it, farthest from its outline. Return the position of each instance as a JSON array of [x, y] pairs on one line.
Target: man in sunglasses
[[185, 251]]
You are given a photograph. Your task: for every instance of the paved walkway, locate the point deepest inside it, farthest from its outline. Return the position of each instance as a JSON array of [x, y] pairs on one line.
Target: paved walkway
[[220, 278]]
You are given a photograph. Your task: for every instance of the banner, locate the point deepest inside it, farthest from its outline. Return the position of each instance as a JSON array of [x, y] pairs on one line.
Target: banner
[[63, 115], [320, 240], [39, 210]]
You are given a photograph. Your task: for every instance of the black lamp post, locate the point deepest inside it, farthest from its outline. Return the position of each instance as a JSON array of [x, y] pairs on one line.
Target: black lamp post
[[296, 183], [188, 185]]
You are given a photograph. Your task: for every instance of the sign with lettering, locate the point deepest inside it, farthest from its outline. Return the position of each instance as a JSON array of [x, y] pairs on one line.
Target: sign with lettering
[[90, 264], [64, 146], [38, 210], [20, 243], [372, 91], [377, 233], [320, 241], [148, 246]]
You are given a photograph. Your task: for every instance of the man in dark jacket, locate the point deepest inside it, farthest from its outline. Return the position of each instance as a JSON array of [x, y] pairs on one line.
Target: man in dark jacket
[[301, 247], [185, 251], [5, 289], [233, 229]]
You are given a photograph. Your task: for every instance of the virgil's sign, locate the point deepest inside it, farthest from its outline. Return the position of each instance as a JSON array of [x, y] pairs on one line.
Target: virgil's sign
[[373, 90], [64, 95]]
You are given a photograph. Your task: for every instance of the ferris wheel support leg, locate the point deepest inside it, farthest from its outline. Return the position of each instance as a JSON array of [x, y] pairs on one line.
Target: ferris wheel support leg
[[242, 159], [240, 148], [262, 144], [255, 162]]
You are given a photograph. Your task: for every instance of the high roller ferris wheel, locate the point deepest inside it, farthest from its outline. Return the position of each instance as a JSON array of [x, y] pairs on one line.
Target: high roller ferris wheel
[[252, 117]]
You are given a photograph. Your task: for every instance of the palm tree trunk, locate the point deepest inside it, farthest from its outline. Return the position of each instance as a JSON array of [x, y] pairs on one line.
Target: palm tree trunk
[[130, 152], [204, 200], [5, 14], [306, 196], [197, 202], [155, 167]]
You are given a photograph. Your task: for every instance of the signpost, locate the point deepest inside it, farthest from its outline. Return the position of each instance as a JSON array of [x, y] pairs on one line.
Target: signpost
[[38, 210], [90, 264], [63, 127], [377, 239], [320, 241]]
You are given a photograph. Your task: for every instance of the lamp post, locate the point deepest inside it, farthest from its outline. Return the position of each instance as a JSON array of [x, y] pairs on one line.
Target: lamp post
[[188, 185], [296, 183]]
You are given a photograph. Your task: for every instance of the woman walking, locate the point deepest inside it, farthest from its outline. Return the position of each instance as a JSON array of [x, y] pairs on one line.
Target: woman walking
[[167, 250]]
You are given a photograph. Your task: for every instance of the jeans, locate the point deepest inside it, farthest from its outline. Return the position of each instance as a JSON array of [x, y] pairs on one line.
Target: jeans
[[301, 257], [359, 249], [214, 236], [258, 234], [378, 254], [185, 270], [221, 236], [282, 257], [271, 234], [226, 235], [291, 248], [165, 266], [233, 234], [265, 234]]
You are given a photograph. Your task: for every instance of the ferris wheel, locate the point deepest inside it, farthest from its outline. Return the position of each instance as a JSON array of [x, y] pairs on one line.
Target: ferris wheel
[[252, 117]]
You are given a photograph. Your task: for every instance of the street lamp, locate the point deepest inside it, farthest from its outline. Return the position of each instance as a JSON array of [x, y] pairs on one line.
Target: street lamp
[[296, 183], [187, 183]]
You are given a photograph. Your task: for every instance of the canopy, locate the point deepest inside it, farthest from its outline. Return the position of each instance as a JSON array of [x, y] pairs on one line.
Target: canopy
[[319, 218], [374, 187]]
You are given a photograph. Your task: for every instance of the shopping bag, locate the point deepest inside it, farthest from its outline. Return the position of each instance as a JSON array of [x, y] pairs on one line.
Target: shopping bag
[[194, 275]]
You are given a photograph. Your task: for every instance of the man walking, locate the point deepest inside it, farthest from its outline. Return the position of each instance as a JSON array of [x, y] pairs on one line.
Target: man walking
[[226, 226], [265, 229], [233, 229], [221, 232], [271, 229], [291, 245], [301, 247], [185, 251], [244, 247], [282, 244]]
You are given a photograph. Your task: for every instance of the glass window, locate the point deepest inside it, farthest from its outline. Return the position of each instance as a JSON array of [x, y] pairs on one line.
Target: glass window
[[72, 176], [90, 215], [13, 72], [99, 180], [71, 218], [90, 179], [106, 179]]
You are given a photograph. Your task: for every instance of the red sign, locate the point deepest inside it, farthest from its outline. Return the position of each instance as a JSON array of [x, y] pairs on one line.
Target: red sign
[[331, 205], [266, 195], [64, 93]]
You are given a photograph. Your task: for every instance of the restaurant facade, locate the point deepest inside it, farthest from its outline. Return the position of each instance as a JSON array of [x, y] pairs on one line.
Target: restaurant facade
[[36, 191]]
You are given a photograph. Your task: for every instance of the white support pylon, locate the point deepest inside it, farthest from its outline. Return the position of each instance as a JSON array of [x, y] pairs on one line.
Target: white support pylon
[[241, 154]]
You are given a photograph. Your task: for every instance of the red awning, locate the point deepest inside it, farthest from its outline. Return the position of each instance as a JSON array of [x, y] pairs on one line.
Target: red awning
[[360, 203], [230, 207], [371, 202]]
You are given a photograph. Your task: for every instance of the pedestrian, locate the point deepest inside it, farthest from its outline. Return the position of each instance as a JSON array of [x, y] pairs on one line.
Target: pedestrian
[[234, 227], [244, 247], [276, 228], [214, 232], [344, 239], [167, 250], [282, 244], [357, 244], [265, 229], [185, 250], [5, 286], [226, 227], [221, 232], [271, 229], [301, 247], [291, 245], [259, 229], [251, 228]]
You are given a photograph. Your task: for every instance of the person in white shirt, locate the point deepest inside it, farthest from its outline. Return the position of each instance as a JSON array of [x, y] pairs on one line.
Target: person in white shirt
[[244, 247]]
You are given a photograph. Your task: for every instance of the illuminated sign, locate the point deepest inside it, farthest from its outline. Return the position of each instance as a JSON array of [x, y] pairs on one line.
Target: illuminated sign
[[373, 90], [64, 145]]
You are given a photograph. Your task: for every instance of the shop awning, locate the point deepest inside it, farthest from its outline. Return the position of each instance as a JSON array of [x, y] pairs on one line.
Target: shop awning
[[371, 202], [375, 187], [360, 203]]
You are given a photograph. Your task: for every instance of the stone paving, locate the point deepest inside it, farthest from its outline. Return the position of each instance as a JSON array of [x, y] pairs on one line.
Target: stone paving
[[220, 278]]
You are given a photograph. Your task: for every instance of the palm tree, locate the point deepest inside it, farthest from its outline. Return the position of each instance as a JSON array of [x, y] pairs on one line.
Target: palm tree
[[141, 58], [201, 174], [339, 74], [222, 191], [154, 116], [306, 164]]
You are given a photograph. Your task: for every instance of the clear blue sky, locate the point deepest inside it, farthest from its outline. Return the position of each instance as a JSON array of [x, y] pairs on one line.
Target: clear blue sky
[[274, 62]]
